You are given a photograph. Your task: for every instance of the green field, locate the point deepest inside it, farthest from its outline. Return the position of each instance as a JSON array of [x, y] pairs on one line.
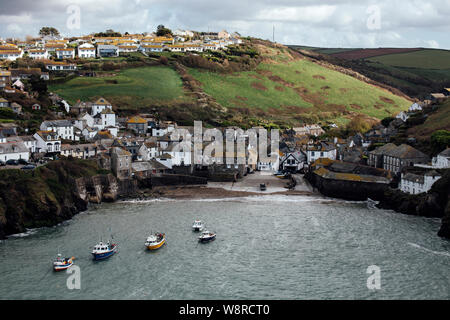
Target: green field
[[302, 87], [423, 59], [137, 86]]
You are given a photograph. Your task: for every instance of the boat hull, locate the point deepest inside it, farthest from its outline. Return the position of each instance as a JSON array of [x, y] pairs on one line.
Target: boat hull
[[208, 239], [62, 268], [103, 255], [156, 246]]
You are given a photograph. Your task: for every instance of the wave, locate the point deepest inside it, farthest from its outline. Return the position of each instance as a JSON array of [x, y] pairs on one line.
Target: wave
[[27, 233], [440, 253], [249, 199]]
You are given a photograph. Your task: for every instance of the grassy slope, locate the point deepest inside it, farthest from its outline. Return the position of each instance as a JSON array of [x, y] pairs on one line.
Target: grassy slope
[[331, 94], [134, 87], [423, 59], [439, 120]]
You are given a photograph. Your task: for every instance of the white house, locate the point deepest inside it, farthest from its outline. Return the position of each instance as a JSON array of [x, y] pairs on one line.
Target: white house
[[11, 54], [84, 120], [415, 107], [148, 151], [60, 66], [442, 160], [63, 128], [13, 149], [151, 48], [165, 159], [415, 183], [66, 53], [321, 151], [47, 141], [100, 105], [292, 161], [403, 116], [29, 142], [86, 51], [38, 53]]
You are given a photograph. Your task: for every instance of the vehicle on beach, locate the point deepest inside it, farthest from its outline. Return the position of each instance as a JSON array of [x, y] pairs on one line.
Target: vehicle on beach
[[155, 241], [61, 263], [207, 236], [104, 250], [262, 187], [197, 226], [281, 175]]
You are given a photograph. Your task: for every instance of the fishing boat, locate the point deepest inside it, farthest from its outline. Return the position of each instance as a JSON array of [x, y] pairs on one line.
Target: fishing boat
[[155, 241], [61, 263], [207, 236], [104, 250], [197, 226]]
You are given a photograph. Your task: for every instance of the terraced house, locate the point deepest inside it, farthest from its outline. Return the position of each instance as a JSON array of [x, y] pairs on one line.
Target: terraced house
[[63, 128], [47, 142], [10, 52]]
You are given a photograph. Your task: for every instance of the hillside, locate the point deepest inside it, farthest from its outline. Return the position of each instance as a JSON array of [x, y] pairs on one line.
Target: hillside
[[415, 71], [257, 84]]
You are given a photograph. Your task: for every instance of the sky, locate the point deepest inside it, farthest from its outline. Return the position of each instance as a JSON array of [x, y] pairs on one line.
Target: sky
[[319, 23]]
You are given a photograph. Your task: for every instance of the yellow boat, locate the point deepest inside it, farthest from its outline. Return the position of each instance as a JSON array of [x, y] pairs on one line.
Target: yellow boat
[[155, 241]]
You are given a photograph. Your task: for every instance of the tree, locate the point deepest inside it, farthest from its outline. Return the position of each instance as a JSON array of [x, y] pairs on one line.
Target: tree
[[49, 31], [38, 85], [162, 31], [440, 140], [387, 121]]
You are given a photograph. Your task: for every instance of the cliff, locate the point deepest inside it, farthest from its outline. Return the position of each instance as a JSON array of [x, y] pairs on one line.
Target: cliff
[[51, 194]]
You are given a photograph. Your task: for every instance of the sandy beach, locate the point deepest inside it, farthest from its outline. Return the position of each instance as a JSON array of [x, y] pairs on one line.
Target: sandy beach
[[248, 186]]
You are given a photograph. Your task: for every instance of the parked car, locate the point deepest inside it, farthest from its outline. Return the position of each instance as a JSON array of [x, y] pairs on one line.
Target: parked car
[[29, 167], [23, 161], [12, 162], [2, 163]]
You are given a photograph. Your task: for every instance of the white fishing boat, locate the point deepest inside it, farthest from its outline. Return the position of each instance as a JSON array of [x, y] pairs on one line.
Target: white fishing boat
[[61, 263], [207, 236], [198, 226]]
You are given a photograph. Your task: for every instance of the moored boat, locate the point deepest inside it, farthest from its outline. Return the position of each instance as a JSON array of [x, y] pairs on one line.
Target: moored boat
[[197, 226], [104, 250], [155, 241], [207, 236], [61, 263]]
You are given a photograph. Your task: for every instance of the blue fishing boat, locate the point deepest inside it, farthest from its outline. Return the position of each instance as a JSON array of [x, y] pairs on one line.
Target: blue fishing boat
[[104, 250]]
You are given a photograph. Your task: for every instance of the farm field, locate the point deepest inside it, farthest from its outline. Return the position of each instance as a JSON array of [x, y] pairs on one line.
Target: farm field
[[130, 88], [368, 53], [423, 59]]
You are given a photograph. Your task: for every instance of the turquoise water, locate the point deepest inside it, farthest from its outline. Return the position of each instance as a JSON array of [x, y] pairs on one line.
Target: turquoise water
[[267, 247]]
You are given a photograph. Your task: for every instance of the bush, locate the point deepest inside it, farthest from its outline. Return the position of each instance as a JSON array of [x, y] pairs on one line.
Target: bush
[[440, 140]]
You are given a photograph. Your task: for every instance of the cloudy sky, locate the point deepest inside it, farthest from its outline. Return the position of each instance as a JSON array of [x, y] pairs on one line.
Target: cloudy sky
[[326, 23]]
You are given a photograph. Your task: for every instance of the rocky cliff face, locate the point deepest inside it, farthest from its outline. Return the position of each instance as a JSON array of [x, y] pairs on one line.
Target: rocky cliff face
[[50, 194]]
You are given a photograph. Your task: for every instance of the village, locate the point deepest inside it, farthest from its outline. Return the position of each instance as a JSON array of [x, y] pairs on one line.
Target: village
[[142, 146]]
